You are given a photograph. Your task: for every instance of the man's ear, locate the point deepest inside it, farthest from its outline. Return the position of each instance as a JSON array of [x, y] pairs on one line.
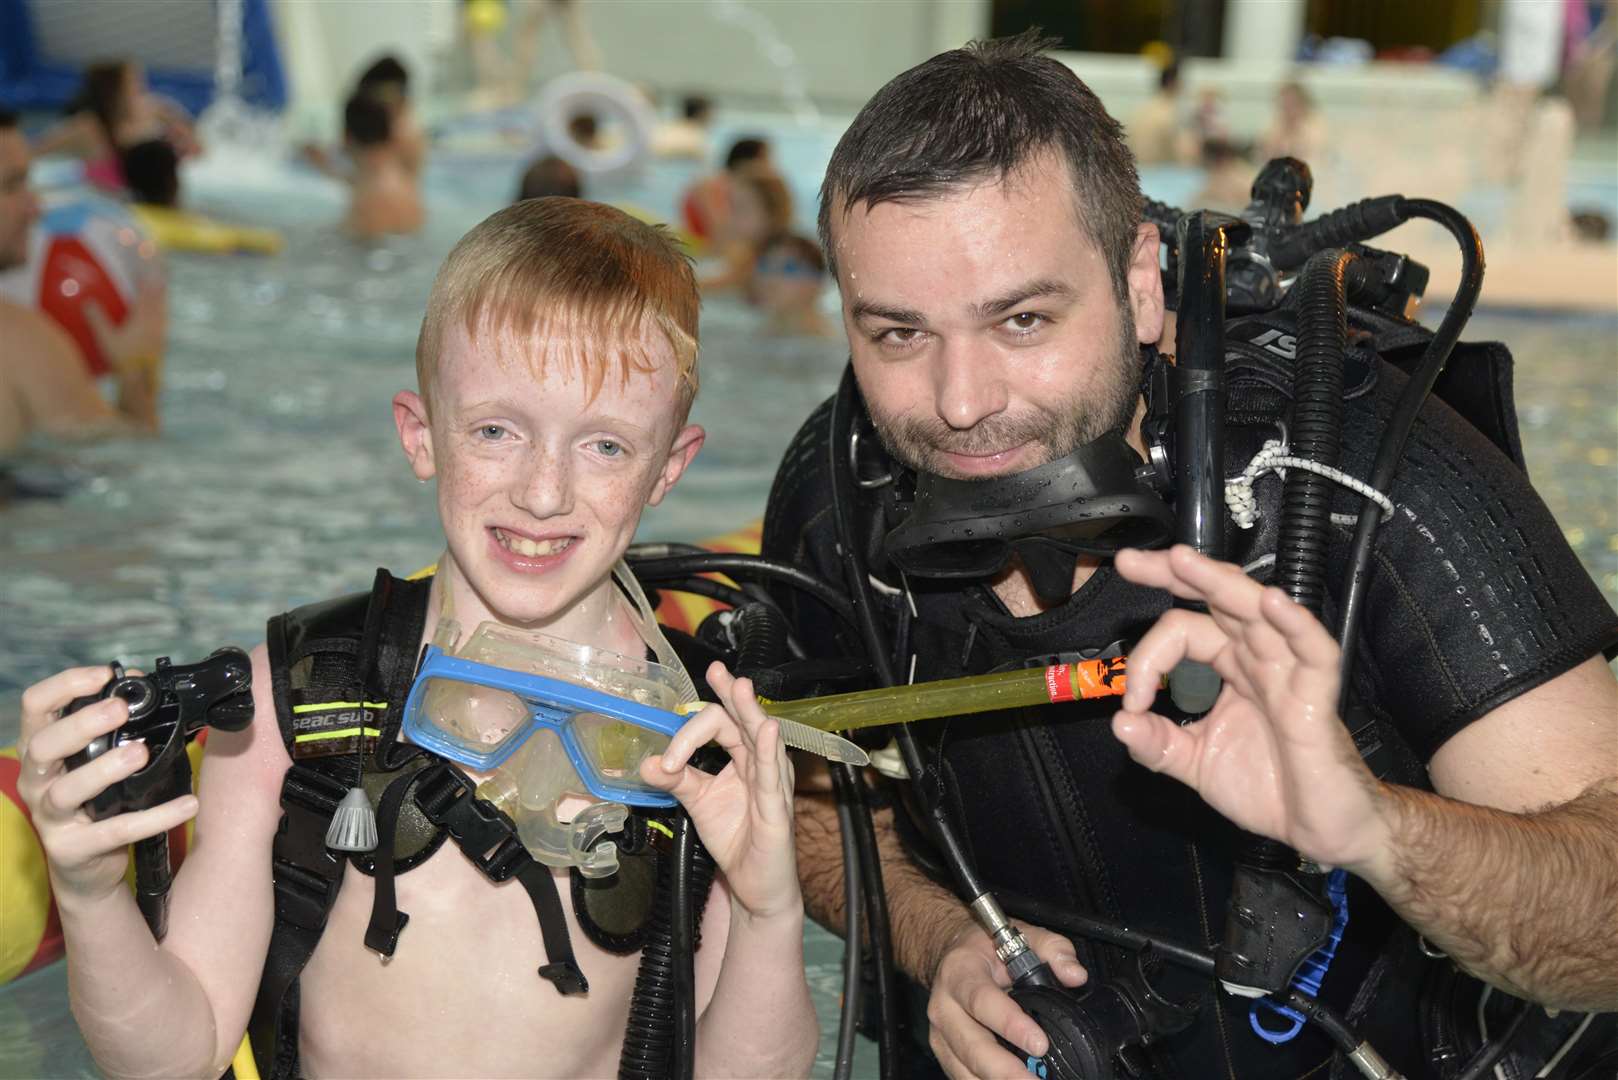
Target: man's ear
[[415, 433], [686, 445], [1146, 285]]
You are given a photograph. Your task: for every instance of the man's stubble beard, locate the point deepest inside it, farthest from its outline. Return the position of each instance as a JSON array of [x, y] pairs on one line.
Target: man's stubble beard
[[921, 444]]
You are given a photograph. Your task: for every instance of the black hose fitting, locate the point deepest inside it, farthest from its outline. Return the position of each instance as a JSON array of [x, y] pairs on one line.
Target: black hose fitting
[[1353, 223]]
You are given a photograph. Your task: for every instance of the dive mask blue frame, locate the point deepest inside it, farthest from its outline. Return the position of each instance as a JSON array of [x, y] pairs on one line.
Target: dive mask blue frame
[[552, 704]]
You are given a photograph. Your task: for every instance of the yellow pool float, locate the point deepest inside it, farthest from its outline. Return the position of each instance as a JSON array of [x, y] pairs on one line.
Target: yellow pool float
[[181, 230]]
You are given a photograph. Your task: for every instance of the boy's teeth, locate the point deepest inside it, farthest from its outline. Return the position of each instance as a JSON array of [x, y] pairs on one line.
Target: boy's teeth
[[523, 546]]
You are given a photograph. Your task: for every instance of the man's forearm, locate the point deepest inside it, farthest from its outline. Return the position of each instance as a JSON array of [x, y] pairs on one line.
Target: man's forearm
[[1528, 902], [923, 917]]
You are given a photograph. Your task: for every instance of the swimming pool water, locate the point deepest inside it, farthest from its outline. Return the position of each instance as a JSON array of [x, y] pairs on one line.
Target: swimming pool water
[[278, 479]]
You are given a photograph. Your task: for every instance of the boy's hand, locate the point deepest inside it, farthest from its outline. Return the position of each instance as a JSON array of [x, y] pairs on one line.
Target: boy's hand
[[87, 859], [744, 815]]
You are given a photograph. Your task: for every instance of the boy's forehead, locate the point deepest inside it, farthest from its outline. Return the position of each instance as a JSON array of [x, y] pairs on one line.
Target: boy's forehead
[[639, 369]]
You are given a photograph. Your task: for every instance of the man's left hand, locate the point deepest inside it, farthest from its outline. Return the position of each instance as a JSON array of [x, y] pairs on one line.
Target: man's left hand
[[1272, 754]]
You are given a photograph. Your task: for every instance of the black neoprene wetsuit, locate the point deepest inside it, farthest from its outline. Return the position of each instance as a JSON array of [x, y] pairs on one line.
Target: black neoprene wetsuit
[[1476, 598]]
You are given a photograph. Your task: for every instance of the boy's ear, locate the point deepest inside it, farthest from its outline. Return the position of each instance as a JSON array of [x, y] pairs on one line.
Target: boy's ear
[[415, 433], [686, 445]]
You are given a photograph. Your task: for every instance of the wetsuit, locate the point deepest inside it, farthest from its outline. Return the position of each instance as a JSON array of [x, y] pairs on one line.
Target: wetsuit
[[1475, 599]]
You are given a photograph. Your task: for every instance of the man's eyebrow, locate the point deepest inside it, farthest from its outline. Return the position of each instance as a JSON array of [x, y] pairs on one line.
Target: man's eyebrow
[[867, 309], [1043, 287]]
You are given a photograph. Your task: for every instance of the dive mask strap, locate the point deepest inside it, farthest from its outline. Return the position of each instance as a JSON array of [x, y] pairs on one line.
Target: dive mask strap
[[651, 632]]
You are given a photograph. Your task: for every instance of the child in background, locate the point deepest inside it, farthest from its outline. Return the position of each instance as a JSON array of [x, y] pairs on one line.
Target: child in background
[[152, 171], [556, 369], [384, 196], [760, 207], [548, 176], [113, 110], [787, 282]]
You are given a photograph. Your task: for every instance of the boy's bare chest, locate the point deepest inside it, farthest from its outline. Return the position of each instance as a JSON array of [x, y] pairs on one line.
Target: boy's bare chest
[[461, 994]]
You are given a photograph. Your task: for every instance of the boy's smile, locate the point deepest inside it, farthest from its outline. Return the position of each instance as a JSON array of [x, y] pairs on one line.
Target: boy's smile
[[540, 483]]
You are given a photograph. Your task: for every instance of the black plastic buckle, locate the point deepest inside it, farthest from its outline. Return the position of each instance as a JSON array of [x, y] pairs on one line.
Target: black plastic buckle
[[449, 799], [306, 875], [565, 976]]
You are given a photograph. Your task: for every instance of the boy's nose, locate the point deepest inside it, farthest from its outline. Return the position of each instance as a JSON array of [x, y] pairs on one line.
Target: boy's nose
[[547, 489], [968, 384]]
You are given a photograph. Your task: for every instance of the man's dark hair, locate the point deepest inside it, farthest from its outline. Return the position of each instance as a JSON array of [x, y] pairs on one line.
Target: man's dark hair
[[696, 107], [366, 121], [8, 119], [385, 73], [745, 150], [549, 176], [982, 112], [152, 173]]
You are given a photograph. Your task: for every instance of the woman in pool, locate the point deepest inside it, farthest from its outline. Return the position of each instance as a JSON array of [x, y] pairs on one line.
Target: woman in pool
[[114, 110]]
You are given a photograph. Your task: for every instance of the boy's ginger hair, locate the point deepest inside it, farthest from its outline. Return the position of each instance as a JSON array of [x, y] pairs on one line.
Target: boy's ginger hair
[[586, 279]]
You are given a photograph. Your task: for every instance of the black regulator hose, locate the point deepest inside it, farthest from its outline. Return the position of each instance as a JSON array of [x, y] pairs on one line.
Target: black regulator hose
[[660, 1039], [1403, 419], [750, 566], [1317, 429], [853, 922], [864, 618], [760, 633]]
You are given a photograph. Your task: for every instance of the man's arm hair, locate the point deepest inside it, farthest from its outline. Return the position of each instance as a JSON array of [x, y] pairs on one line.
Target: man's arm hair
[[924, 917], [1528, 902]]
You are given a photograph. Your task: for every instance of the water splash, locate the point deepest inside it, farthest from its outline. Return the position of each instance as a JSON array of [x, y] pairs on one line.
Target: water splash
[[229, 124], [794, 86]]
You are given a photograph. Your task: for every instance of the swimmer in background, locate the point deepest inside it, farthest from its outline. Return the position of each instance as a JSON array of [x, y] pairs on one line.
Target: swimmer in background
[[760, 207], [152, 171], [388, 81], [384, 197], [44, 387], [1228, 184], [1158, 131], [549, 176], [113, 110], [1298, 129], [787, 282], [686, 137], [705, 206]]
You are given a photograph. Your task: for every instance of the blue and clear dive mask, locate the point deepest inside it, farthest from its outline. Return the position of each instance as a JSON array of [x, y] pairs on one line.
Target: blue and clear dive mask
[[557, 722]]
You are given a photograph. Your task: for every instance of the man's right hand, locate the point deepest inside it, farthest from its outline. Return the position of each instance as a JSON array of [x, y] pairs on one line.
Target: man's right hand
[[87, 859], [969, 1004]]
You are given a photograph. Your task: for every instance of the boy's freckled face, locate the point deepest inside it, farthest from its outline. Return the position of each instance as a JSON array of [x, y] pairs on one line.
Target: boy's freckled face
[[541, 486]]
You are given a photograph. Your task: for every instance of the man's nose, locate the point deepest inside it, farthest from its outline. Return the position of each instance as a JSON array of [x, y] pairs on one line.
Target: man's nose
[[31, 206], [546, 488], [969, 384]]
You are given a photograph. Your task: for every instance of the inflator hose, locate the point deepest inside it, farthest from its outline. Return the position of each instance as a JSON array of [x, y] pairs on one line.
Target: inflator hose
[[660, 1039], [1403, 419], [1317, 429]]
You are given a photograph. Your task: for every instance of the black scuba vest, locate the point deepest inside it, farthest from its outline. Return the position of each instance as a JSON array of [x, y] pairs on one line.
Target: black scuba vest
[[340, 673], [1048, 802]]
